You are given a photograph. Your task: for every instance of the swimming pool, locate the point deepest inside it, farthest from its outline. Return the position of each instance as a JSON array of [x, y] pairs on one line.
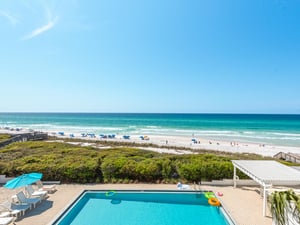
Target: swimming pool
[[143, 208]]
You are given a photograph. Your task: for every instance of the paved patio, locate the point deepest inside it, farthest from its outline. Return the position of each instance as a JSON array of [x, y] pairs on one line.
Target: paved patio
[[243, 204]]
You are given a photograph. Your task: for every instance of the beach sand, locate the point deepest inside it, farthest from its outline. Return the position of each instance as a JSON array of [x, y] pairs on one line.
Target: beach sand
[[202, 144], [244, 204], [184, 142]]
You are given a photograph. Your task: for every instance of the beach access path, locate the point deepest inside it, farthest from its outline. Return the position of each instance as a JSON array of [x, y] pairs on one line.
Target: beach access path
[[243, 204]]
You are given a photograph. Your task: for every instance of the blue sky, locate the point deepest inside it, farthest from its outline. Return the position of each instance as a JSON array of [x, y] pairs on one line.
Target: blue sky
[[150, 56]]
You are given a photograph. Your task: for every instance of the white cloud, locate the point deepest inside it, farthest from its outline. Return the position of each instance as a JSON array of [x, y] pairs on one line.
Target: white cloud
[[37, 16], [43, 9], [51, 23], [12, 19]]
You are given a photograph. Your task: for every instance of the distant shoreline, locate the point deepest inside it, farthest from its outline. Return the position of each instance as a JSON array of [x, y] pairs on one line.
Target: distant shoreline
[[260, 129]]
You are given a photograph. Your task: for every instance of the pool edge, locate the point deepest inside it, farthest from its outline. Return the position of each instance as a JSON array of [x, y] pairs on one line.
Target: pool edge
[[62, 212]]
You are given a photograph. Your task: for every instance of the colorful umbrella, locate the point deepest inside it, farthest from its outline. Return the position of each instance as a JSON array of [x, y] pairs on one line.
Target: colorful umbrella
[[23, 180]]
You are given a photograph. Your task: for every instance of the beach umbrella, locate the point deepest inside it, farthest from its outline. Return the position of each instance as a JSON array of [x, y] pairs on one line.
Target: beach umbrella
[[23, 180]]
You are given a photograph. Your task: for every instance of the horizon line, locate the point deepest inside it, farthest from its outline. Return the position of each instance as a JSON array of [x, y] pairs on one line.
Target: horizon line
[[216, 113]]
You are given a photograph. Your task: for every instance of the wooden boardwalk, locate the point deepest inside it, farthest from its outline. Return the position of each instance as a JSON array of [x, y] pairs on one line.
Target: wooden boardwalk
[[34, 136]]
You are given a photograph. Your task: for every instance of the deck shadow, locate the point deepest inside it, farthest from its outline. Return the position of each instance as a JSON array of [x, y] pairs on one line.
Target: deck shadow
[[39, 209]]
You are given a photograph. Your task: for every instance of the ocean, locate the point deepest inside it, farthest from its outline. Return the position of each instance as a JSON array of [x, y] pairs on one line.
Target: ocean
[[283, 130]]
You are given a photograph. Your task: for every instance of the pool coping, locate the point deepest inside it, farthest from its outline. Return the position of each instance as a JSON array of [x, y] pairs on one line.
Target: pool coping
[[59, 215]]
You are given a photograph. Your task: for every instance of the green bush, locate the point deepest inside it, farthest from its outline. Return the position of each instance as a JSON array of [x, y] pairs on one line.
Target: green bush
[[72, 163], [148, 170]]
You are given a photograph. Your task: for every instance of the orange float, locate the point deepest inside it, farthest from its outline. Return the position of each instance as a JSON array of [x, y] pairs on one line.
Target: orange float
[[214, 202]]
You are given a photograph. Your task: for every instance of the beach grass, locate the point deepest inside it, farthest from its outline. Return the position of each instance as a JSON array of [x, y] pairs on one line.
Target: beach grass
[[4, 137]]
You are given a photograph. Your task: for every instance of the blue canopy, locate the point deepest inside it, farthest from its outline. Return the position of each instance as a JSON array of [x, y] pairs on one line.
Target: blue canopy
[[23, 180]]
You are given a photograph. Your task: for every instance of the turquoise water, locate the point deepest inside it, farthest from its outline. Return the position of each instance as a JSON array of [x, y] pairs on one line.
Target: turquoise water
[[269, 129], [147, 208]]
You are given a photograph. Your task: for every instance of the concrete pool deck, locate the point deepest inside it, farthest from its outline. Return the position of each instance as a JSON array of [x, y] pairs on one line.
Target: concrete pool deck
[[244, 204]]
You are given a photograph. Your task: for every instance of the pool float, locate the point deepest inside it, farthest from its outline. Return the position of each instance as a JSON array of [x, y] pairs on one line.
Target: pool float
[[110, 193], [209, 195], [214, 201], [219, 193]]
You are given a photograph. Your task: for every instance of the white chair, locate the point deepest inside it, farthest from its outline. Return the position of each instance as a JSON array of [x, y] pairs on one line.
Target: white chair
[[4, 214], [6, 220], [31, 201], [181, 186], [13, 209], [32, 193], [48, 188]]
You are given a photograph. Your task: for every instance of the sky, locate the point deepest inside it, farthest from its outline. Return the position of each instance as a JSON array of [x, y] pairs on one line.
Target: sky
[[179, 56]]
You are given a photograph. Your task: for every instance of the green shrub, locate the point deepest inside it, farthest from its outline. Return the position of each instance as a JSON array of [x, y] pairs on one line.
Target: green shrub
[[148, 170], [72, 163]]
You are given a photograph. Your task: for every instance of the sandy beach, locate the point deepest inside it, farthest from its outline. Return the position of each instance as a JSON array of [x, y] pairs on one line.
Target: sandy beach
[[244, 204], [182, 142], [204, 144], [216, 145]]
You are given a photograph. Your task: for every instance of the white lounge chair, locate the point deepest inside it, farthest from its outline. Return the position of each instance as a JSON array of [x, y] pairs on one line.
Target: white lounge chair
[[48, 188], [181, 186], [31, 201], [6, 220], [32, 193], [14, 209], [4, 214]]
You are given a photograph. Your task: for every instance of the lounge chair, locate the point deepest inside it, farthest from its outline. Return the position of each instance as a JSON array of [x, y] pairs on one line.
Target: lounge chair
[[48, 188], [6, 220], [181, 186], [32, 193], [14, 209], [4, 212], [31, 201]]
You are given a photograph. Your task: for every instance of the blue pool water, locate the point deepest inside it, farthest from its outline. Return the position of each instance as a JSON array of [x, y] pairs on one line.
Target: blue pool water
[[147, 208]]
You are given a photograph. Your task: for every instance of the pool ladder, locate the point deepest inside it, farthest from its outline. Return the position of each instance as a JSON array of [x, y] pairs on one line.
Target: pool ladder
[[197, 188]]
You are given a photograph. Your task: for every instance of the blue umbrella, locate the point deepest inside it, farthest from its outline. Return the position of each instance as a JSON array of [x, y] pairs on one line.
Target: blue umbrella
[[23, 180]]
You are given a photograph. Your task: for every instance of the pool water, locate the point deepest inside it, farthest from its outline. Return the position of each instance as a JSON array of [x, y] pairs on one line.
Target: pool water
[[143, 208]]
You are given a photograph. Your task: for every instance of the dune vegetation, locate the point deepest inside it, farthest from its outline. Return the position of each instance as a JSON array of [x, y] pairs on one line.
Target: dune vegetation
[[4, 137], [73, 163]]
